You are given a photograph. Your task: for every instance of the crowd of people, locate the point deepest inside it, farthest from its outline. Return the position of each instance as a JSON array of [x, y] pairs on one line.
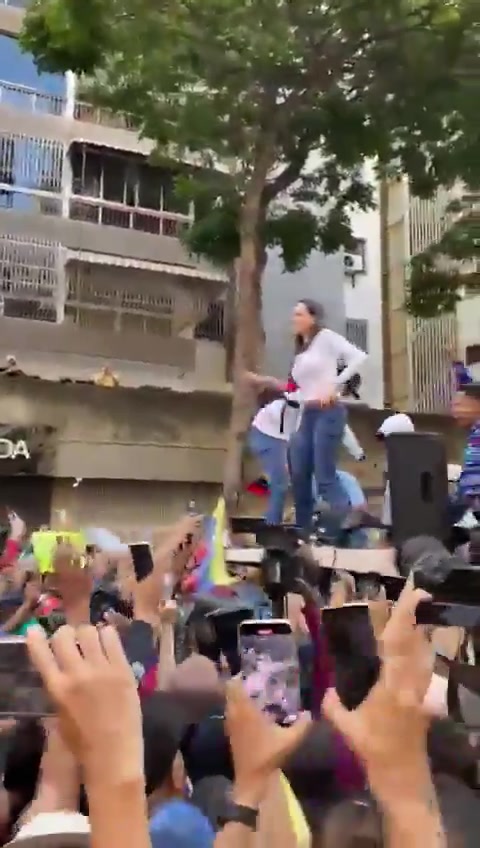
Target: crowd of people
[[152, 737], [151, 748]]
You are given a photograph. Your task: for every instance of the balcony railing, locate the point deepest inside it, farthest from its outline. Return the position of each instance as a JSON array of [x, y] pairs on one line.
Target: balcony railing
[[30, 203], [106, 213], [29, 100], [431, 375], [96, 115], [212, 327]]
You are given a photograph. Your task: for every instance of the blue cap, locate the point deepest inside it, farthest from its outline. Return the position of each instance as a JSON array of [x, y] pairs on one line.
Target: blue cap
[[178, 824]]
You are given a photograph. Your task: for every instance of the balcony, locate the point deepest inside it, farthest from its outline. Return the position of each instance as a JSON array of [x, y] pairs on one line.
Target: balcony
[[29, 100], [119, 205], [107, 213], [64, 318], [90, 114]]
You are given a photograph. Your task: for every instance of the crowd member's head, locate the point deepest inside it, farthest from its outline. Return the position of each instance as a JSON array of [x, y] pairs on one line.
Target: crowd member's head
[[466, 409], [353, 823], [21, 771], [307, 319], [174, 822], [164, 724]]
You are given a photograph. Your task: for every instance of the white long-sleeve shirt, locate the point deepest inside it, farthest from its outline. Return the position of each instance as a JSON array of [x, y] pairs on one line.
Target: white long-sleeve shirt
[[351, 444], [315, 369]]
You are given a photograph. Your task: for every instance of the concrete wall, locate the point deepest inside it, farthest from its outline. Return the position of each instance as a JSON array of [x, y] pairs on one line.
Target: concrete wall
[[122, 434], [17, 335], [142, 455]]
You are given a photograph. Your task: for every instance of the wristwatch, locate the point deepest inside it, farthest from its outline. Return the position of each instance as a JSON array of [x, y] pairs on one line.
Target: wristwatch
[[238, 813]]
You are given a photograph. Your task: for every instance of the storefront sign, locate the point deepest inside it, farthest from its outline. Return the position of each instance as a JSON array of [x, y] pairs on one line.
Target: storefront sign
[[10, 450]]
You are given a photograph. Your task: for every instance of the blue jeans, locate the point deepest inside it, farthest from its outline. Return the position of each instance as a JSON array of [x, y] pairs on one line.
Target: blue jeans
[[313, 452], [356, 538], [272, 456]]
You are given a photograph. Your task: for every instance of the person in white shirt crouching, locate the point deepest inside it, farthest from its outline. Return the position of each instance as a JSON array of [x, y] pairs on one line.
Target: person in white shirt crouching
[[268, 438]]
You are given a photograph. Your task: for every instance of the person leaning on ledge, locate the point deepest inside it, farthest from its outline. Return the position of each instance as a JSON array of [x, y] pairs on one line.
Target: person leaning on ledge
[[106, 378]]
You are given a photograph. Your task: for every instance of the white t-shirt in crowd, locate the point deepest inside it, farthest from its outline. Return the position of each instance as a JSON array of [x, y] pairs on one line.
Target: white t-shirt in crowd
[[315, 370], [269, 419]]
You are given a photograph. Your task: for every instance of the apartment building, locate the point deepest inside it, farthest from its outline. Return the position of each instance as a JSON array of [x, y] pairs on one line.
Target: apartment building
[[93, 273], [348, 285], [418, 352]]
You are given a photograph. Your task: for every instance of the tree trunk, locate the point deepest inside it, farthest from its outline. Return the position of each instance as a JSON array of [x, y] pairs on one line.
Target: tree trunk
[[249, 336]]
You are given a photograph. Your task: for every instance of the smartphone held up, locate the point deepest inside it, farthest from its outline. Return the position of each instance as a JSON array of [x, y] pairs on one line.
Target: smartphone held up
[[270, 667], [353, 648], [142, 559], [455, 602]]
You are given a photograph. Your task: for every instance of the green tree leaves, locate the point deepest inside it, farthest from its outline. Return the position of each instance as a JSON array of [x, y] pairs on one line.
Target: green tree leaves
[[277, 81], [450, 267]]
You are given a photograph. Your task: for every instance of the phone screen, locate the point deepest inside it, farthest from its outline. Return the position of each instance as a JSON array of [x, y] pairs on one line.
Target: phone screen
[[21, 687], [270, 667], [353, 648], [142, 559]]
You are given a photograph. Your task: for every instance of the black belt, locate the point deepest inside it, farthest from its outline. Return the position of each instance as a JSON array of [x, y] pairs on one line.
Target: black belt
[[293, 404]]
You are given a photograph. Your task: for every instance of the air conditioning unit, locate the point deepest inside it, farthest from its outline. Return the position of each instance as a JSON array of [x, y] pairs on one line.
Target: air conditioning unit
[[353, 263]]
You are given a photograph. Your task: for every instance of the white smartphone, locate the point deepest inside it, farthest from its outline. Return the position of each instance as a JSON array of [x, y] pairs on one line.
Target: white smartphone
[[270, 667]]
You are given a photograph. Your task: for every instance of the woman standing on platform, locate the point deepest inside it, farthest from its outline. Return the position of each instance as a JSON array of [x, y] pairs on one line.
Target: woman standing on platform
[[314, 446]]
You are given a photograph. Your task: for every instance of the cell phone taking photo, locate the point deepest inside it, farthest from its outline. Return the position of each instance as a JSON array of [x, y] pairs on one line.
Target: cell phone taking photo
[[270, 667], [353, 648], [461, 586], [448, 615], [22, 693], [142, 559]]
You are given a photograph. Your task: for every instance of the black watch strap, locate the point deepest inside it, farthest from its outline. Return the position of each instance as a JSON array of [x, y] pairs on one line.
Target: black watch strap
[[240, 814]]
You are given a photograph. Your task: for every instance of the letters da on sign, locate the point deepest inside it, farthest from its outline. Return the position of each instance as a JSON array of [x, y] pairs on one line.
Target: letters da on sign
[[10, 450]]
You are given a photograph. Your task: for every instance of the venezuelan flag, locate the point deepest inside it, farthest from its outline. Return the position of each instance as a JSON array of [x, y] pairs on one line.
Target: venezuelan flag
[[212, 571], [298, 822]]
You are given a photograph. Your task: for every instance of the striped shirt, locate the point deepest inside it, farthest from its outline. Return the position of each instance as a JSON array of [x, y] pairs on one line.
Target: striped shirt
[[469, 482]]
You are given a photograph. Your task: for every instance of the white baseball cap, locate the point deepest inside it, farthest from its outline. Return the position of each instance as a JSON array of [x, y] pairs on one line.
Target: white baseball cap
[[398, 423], [454, 472]]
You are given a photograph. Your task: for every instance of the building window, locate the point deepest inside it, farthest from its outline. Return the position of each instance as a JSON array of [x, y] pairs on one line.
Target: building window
[[21, 84], [146, 193], [212, 327], [357, 332], [472, 354], [29, 165]]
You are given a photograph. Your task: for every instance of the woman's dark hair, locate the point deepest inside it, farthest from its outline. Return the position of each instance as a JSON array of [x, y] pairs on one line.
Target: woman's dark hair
[[355, 823], [317, 312], [22, 764], [352, 387]]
